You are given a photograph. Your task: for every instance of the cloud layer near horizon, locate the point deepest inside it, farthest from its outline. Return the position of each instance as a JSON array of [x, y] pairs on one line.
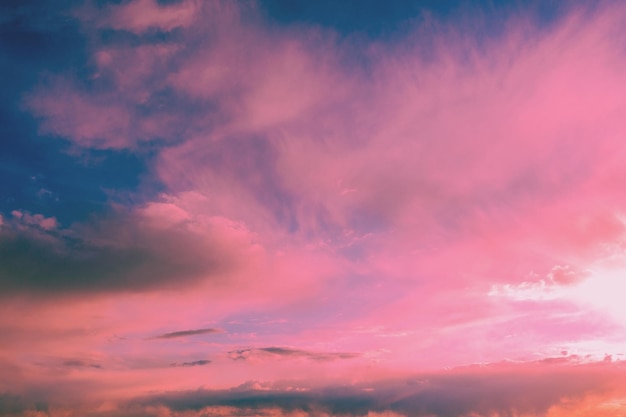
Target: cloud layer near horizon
[[502, 391], [368, 207]]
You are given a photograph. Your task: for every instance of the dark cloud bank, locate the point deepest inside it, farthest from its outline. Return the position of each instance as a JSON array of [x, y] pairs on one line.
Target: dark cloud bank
[[450, 395], [121, 253], [503, 393]]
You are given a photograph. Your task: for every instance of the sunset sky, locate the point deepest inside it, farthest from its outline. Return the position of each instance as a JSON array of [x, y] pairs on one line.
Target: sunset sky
[[291, 208]]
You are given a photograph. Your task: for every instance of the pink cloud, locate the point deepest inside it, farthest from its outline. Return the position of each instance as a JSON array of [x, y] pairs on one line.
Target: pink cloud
[[37, 220], [142, 15], [97, 122], [421, 213]]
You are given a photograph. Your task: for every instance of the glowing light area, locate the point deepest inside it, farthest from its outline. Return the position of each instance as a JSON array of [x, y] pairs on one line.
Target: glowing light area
[[603, 291], [595, 295], [600, 289]]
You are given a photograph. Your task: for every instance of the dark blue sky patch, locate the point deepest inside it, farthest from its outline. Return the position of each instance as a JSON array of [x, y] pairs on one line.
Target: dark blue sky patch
[[371, 17], [39, 173]]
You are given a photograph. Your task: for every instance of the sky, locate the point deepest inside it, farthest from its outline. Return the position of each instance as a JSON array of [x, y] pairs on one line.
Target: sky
[[291, 208]]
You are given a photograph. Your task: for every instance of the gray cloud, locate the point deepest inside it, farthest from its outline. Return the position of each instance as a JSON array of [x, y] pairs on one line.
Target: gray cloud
[[185, 333], [121, 253], [77, 363], [16, 405], [200, 362], [12, 405], [245, 354], [504, 391]]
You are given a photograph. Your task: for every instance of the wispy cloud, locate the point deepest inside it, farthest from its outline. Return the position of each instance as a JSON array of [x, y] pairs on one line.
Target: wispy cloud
[[285, 352], [200, 362], [187, 333], [77, 363]]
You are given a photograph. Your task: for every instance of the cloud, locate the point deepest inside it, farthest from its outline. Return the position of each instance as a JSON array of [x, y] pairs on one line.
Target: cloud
[[124, 252], [46, 223], [248, 100], [491, 391], [143, 15], [200, 362], [12, 405], [347, 184], [77, 363], [186, 333], [564, 275], [284, 352]]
